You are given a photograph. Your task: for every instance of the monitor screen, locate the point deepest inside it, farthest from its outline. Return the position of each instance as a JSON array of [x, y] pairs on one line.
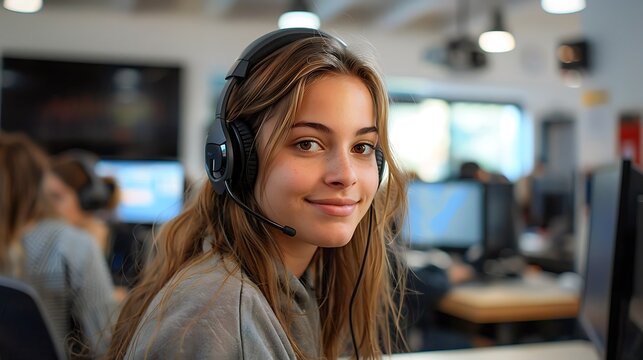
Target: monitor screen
[[552, 203], [500, 227], [633, 332], [151, 191], [610, 256], [600, 254], [120, 110], [636, 306], [445, 214]]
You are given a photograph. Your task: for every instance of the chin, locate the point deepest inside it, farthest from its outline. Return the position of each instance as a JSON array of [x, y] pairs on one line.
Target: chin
[[335, 241]]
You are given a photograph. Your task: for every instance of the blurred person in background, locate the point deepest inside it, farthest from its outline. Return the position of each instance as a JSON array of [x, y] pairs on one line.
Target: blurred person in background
[[84, 199], [471, 170], [64, 265]]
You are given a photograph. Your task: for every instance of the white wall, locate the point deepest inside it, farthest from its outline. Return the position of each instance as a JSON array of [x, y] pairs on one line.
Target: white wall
[[206, 47], [614, 30]]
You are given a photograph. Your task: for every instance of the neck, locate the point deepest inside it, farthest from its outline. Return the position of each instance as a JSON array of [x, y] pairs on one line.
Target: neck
[[296, 255], [28, 226], [84, 220]]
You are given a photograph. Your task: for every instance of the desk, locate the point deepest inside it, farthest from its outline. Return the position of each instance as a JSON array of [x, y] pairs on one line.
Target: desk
[[563, 350], [535, 297]]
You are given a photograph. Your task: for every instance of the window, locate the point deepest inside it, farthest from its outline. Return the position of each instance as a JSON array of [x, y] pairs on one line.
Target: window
[[488, 134], [432, 137], [419, 134]]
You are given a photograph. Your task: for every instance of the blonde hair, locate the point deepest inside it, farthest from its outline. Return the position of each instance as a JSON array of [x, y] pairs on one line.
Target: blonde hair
[[23, 166], [275, 88]]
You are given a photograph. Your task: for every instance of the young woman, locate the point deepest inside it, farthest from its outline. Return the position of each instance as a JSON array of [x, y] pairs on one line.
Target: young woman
[[79, 195], [62, 264], [226, 284]]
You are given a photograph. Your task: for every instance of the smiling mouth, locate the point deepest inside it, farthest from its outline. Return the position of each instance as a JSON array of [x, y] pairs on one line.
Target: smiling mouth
[[335, 208]]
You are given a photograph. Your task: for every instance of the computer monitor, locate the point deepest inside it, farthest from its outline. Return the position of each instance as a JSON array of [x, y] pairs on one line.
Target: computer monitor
[[552, 203], [610, 256], [447, 215], [632, 344], [114, 109], [151, 191], [500, 221]]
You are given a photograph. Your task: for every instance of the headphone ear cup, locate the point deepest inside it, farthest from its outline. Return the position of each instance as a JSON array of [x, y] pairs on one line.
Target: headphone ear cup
[[246, 167], [94, 194], [84, 199], [379, 158]]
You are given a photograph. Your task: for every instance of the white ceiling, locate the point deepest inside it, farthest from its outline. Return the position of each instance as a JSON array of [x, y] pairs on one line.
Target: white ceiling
[[392, 15]]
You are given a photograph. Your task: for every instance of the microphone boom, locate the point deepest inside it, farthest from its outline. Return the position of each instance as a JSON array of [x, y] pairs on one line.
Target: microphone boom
[[284, 229]]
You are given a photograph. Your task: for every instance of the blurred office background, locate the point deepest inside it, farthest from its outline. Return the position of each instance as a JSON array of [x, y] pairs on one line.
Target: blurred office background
[[564, 101]]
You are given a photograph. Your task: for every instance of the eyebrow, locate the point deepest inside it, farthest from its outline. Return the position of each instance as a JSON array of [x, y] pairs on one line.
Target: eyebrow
[[325, 129]]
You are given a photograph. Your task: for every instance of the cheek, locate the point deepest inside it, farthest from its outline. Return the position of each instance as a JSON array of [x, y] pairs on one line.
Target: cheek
[[69, 204], [286, 178], [372, 185], [286, 184], [370, 180], [58, 201]]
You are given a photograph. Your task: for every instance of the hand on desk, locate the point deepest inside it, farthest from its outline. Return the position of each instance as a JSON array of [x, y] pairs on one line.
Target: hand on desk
[[459, 273]]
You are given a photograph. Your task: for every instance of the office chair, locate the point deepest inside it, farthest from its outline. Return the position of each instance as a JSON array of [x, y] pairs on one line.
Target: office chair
[[25, 332]]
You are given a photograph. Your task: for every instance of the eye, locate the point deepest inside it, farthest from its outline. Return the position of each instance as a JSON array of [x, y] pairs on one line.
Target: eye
[[363, 148], [308, 146]]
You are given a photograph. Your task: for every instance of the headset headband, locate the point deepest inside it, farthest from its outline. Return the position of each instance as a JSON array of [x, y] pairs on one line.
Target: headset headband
[[219, 151], [256, 51]]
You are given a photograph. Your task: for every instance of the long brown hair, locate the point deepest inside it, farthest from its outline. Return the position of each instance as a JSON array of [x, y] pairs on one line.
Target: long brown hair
[[275, 88], [23, 166]]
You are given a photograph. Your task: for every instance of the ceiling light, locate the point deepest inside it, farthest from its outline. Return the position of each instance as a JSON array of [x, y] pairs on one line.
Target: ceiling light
[[299, 16], [497, 39], [562, 6], [23, 6]]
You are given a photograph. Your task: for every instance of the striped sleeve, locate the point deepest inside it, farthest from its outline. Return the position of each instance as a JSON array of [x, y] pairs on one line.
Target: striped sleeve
[[91, 287]]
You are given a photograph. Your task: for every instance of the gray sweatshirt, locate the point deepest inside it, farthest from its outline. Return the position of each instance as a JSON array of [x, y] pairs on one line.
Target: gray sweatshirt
[[212, 314], [70, 275]]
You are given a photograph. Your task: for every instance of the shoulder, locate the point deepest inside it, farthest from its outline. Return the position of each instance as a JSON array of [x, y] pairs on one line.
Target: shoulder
[[194, 316], [209, 284], [208, 311], [76, 244], [59, 237], [60, 231]]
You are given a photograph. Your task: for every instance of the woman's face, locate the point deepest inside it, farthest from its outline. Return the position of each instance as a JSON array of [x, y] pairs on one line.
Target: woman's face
[[324, 177], [63, 198]]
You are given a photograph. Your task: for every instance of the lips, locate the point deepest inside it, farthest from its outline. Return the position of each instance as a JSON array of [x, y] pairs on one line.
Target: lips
[[335, 207]]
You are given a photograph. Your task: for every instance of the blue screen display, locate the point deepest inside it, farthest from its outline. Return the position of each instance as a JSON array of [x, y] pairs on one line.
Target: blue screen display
[[151, 191], [448, 214]]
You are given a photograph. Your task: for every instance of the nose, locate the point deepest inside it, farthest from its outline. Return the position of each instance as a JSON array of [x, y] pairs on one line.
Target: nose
[[341, 170]]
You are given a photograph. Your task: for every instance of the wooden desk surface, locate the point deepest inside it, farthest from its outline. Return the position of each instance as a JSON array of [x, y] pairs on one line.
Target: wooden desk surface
[[534, 297], [553, 351]]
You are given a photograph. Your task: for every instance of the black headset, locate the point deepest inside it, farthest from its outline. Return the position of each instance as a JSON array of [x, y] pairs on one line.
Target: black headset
[[229, 154], [95, 194]]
